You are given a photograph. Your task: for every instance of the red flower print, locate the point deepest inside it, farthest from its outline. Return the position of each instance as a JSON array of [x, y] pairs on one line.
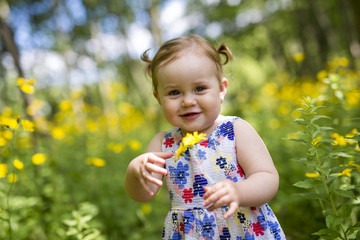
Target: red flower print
[[253, 208], [205, 143], [169, 142], [182, 227], [240, 171], [188, 195], [258, 229]]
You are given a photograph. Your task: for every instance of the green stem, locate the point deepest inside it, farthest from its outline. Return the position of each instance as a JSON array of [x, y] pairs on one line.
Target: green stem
[[323, 180]]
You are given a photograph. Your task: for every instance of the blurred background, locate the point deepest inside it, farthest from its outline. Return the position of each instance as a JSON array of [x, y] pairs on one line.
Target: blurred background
[[76, 106]]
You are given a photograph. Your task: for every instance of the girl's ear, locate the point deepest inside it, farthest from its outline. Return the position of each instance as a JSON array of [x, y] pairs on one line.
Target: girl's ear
[[157, 97], [223, 88]]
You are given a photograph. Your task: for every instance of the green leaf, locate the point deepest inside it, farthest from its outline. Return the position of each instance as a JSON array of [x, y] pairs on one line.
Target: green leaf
[[333, 221], [326, 140], [314, 108], [343, 193], [317, 117], [296, 140], [327, 232], [326, 129], [308, 183], [300, 121], [324, 171], [312, 196], [340, 154]]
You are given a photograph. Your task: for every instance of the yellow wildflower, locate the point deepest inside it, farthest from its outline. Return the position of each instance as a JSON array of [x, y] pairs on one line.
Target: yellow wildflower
[[27, 125], [299, 57], [312, 175], [26, 85], [97, 162], [269, 89], [146, 208], [116, 147], [65, 106], [3, 141], [3, 170], [12, 123], [18, 164], [188, 141], [180, 150], [38, 158], [343, 62], [134, 145], [316, 140], [338, 139], [12, 177], [7, 135], [352, 163], [58, 133], [321, 75], [346, 172]]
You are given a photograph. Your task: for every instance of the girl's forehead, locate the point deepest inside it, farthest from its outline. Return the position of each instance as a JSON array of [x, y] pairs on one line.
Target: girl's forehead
[[188, 61]]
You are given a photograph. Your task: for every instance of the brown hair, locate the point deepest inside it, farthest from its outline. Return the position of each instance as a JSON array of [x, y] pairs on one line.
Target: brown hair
[[171, 50]]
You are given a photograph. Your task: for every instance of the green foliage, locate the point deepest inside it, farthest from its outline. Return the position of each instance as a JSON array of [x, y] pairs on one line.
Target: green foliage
[[79, 224], [334, 176]]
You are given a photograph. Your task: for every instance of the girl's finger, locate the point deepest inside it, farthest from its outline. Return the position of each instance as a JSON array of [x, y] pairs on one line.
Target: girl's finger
[[214, 198], [146, 186], [211, 190], [159, 157], [224, 200], [155, 169], [154, 181], [232, 209]]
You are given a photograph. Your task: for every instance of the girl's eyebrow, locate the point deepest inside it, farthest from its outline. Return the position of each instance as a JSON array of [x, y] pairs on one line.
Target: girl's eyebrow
[[169, 86]]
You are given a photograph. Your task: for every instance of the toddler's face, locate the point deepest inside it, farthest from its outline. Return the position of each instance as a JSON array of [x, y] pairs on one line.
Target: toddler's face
[[190, 93]]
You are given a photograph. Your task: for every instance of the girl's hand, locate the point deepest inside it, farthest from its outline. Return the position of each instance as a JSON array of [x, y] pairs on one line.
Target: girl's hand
[[224, 193], [151, 168]]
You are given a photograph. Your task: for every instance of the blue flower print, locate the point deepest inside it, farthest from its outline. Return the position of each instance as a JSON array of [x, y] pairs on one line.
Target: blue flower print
[[241, 217], [248, 236], [176, 236], [261, 219], [226, 130], [174, 218], [168, 135], [225, 234], [275, 230], [269, 211], [221, 162], [207, 226], [179, 174], [213, 143], [187, 155], [171, 195], [188, 220], [199, 184], [202, 155]]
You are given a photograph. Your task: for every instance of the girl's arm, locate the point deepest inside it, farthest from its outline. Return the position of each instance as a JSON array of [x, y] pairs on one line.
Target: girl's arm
[[262, 179], [145, 173]]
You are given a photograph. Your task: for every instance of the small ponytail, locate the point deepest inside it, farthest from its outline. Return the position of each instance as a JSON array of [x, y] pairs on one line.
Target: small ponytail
[[145, 58], [225, 51]]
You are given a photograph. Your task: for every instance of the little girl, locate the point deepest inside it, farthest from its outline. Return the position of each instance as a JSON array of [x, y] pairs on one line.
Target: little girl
[[220, 178]]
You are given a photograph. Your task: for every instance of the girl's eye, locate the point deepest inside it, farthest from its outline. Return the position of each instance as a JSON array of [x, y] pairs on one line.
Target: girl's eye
[[199, 89], [174, 92]]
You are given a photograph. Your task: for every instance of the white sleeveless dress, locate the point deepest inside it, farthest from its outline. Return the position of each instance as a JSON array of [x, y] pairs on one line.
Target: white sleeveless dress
[[205, 164]]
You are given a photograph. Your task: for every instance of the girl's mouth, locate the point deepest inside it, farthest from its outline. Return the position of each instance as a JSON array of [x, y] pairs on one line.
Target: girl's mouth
[[190, 116]]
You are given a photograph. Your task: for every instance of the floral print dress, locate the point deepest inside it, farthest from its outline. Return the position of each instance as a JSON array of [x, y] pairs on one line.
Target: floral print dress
[[205, 164]]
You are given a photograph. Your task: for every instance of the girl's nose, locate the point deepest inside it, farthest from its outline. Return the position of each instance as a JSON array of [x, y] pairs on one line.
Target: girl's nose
[[188, 100]]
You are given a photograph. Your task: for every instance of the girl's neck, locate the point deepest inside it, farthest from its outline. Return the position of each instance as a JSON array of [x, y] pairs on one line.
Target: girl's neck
[[208, 131]]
